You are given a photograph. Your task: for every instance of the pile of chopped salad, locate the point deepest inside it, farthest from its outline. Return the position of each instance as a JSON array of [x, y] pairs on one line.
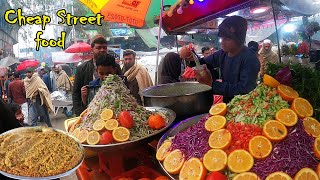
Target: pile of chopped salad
[[257, 107]]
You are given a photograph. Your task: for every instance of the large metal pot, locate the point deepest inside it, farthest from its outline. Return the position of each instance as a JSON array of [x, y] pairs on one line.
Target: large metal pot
[[186, 99]]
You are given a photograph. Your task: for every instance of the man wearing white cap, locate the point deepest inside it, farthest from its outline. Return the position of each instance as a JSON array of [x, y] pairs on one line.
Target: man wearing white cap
[[266, 55]]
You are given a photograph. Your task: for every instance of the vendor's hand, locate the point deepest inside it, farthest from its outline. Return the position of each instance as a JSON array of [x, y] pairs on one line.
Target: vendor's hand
[[84, 94], [204, 76]]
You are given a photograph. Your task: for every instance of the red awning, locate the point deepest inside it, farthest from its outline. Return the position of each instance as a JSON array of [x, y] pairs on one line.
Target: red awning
[[201, 12]]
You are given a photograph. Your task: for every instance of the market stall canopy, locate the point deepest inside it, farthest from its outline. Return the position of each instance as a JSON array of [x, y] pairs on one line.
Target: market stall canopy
[[307, 7], [8, 61], [134, 13], [79, 47], [62, 57], [28, 63], [199, 12]]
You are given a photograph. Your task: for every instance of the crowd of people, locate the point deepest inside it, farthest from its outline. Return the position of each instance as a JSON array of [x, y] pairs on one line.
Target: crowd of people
[[231, 71]]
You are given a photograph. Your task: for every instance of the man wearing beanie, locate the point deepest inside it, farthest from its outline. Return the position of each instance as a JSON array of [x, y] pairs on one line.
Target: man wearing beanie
[[239, 66]]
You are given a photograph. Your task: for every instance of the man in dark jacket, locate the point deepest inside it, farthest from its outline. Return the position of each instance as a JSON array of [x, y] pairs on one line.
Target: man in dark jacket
[[86, 72], [239, 66]]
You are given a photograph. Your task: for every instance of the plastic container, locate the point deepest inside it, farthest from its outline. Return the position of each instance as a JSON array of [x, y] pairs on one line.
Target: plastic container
[[139, 172]]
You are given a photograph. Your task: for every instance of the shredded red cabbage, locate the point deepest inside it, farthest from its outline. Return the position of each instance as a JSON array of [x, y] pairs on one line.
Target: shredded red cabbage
[[290, 155], [193, 141]]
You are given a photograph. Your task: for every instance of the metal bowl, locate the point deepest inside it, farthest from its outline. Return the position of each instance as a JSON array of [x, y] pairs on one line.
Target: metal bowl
[[175, 130], [170, 115], [186, 99], [18, 130]]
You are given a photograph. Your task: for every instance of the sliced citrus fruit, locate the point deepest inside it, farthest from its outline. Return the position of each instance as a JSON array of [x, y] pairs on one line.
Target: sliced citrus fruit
[[306, 174], [318, 170], [287, 117], [215, 123], [220, 139], [174, 162], [99, 125], [275, 131], [218, 109], [287, 93], [121, 134], [246, 176], [312, 126], [193, 169], [260, 147], [106, 114], [302, 107], [316, 147], [75, 133], [82, 136], [278, 176], [111, 124], [240, 161], [163, 151], [270, 81], [215, 160], [93, 138]]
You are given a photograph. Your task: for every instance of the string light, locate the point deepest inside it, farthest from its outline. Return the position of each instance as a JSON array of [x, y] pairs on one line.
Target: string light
[[191, 2], [201, 0], [180, 11]]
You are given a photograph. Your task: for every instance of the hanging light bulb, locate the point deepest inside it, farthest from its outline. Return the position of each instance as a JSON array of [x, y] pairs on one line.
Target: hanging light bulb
[[191, 2], [180, 11], [201, 0]]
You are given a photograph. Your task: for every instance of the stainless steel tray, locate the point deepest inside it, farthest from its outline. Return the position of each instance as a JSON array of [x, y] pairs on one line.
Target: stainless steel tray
[[47, 177], [175, 130], [170, 115]]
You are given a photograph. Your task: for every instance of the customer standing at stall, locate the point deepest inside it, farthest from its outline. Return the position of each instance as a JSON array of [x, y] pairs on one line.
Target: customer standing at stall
[[170, 68], [239, 66], [39, 99], [266, 55], [137, 75], [86, 72]]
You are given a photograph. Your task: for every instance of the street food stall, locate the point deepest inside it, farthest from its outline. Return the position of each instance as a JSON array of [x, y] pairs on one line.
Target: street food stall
[[273, 132]]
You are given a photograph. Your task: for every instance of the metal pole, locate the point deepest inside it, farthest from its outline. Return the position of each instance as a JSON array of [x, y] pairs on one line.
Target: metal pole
[[275, 23], [73, 29], [159, 38], [177, 44]]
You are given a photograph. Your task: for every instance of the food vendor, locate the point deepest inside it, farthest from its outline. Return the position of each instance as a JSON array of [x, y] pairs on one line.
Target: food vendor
[[239, 66]]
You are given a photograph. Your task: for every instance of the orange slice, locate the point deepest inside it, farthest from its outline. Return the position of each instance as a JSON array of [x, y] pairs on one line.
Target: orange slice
[[287, 93], [220, 139], [215, 160], [260, 147], [306, 174], [270, 81], [246, 176], [193, 170], [302, 107], [275, 131], [99, 125], [278, 176], [163, 151], [174, 162], [82, 136], [215, 123], [218, 109], [316, 147], [312, 126], [240, 161], [75, 133], [318, 170], [121, 134], [106, 114], [287, 117], [93, 138], [111, 124]]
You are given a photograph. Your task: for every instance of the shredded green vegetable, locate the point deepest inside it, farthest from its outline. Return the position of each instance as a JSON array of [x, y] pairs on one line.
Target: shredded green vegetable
[[114, 95], [257, 107]]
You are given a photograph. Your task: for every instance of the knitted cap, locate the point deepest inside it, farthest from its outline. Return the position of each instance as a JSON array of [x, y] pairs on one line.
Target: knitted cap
[[234, 27]]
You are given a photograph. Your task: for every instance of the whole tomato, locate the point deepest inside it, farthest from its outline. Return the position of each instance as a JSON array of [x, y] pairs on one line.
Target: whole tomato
[[125, 119], [216, 176], [106, 138]]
